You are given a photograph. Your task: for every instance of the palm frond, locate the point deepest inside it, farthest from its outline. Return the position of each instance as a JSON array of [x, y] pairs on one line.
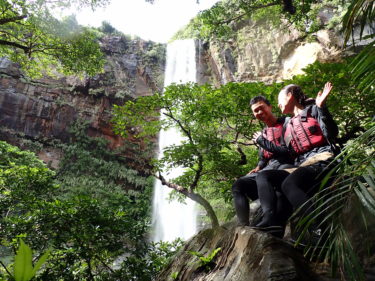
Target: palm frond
[[366, 198], [362, 11], [363, 68], [355, 178]]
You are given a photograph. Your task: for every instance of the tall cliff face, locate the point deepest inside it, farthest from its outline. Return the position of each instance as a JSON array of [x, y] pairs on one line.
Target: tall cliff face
[[264, 53], [41, 111]]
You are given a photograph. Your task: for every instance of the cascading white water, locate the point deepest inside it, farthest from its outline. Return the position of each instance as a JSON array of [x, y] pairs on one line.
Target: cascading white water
[[172, 219]]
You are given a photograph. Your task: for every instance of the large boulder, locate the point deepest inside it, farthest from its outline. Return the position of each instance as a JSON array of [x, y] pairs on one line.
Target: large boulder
[[245, 254]]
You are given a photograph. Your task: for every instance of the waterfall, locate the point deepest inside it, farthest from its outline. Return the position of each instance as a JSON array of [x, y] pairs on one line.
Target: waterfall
[[174, 219]]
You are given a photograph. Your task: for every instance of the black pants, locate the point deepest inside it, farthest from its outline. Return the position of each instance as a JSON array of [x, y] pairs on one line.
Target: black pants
[[246, 188], [298, 187]]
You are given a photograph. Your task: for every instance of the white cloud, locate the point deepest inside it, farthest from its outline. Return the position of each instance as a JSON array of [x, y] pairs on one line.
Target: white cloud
[[156, 22]]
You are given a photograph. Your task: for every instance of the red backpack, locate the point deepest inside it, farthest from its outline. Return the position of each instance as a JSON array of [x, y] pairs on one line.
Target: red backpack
[[273, 134], [303, 133]]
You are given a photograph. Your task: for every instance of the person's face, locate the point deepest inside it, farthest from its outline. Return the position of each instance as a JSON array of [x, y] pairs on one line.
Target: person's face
[[285, 102], [261, 111]]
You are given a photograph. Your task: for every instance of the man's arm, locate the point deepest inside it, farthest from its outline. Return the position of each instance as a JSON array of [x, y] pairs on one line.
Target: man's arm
[[255, 170], [261, 163], [279, 150]]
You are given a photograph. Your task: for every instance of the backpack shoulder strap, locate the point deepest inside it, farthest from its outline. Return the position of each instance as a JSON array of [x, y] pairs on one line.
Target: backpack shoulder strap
[[305, 113]]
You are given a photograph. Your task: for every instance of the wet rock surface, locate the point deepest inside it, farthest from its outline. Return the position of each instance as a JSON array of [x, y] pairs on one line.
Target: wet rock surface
[[43, 110], [245, 254]]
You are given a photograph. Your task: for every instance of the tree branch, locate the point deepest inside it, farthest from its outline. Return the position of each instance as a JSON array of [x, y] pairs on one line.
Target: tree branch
[[6, 269], [174, 186], [193, 196], [243, 143], [198, 173], [243, 159], [12, 19], [350, 134], [14, 44], [91, 276], [179, 124], [104, 264], [229, 126]]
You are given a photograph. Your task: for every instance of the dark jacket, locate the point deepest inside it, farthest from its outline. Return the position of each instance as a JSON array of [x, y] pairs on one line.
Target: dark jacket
[[277, 159], [329, 129]]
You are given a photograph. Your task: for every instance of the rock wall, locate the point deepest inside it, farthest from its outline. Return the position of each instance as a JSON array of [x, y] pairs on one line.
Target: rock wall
[[41, 111], [260, 55]]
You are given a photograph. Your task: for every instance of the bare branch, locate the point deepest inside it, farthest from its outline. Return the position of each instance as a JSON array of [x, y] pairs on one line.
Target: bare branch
[[174, 186], [14, 44], [12, 19], [243, 143], [193, 196], [243, 159], [187, 132], [6, 269], [228, 125], [198, 173], [103, 263]]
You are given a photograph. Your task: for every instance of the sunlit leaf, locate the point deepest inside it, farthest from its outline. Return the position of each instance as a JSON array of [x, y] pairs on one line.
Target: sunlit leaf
[[23, 268]]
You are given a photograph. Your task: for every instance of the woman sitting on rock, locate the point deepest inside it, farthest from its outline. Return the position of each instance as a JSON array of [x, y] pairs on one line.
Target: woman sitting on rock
[[308, 136]]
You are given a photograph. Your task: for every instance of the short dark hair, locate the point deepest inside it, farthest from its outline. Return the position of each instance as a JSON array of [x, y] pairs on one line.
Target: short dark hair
[[256, 99]]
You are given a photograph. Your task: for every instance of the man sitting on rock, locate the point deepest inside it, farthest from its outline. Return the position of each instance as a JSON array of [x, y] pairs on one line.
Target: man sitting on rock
[[245, 187]]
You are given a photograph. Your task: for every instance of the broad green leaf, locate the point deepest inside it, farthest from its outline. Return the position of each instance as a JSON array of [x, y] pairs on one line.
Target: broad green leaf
[[23, 268]]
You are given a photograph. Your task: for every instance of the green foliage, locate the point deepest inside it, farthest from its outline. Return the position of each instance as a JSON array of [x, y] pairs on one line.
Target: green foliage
[[91, 221], [23, 263], [41, 44], [88, 237], [213, 121], [217, 124], [107, 28], [224, 18], [145, 267], [206, 262], [362, 13], [156, 53], [174, 275], [89, 167], [85, 234], [351, 106], [359, 11], [354, 186], [23, 179], [363, 68]]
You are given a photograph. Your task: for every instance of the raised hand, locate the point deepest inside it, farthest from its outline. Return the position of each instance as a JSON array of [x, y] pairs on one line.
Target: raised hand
[[322, 96], [256, 136]]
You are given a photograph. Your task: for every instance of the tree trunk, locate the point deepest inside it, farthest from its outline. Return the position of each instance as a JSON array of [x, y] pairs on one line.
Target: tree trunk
[[193, 196], [207, 206]]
